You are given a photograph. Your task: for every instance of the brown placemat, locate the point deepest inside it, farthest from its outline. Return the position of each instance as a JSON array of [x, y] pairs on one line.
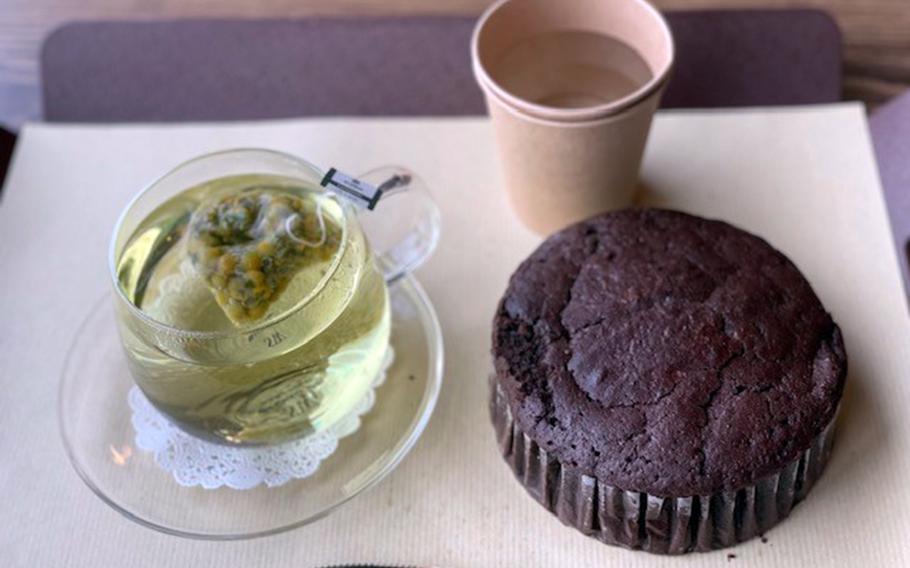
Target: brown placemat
[[243, 69], [890, 129], [249, 69]]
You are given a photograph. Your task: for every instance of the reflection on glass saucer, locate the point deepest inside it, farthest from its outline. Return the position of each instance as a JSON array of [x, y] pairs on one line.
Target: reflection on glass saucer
[[95, 422]]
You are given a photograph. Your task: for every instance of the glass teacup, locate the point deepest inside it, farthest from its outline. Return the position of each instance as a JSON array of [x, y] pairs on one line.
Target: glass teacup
[[252, 302]]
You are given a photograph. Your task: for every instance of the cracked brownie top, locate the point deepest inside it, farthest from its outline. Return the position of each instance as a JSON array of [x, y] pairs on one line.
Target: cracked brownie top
[[665, 353]]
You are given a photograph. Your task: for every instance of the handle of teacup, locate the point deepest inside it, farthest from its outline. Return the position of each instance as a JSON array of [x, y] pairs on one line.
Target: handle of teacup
[[403, 228]]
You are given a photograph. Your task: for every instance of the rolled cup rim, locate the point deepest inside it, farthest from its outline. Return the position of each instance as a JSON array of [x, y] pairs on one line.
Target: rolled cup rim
[[494, 98], [560, 115]]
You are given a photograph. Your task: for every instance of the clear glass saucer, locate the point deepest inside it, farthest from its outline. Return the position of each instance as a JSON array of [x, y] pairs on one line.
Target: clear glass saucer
[[99, 438]]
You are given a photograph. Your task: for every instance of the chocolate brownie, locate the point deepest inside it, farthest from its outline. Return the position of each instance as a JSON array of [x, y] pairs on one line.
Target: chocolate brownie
[[661, 366]]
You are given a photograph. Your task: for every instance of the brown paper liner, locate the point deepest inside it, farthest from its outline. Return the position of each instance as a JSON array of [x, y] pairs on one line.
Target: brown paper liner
[[661, 525]]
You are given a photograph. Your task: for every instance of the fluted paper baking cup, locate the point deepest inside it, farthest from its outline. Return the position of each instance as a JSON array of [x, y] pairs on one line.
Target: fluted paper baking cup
[[640, 521]]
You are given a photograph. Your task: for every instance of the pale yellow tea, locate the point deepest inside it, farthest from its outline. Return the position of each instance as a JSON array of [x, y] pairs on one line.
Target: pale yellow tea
[[571, 69], [263, 315]]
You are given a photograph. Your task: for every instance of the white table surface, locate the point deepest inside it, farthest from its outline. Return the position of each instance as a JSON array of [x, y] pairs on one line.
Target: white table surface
[[802, 178]]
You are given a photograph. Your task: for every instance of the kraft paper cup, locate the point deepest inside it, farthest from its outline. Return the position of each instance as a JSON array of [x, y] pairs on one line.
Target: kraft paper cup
[[559, 173], [564, 163]]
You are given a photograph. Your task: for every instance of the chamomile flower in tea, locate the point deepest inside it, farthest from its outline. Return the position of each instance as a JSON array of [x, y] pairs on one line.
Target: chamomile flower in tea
[[248, 246]]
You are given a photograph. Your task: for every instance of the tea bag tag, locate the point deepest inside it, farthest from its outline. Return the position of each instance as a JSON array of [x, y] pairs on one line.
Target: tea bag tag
[[361, 193]]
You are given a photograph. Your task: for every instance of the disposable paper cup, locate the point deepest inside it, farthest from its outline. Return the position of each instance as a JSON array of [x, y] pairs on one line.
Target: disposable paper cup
[[565, 163], [559, 173]]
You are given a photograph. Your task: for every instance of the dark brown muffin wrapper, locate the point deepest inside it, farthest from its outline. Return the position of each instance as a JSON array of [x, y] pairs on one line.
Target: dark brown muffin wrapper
[[640, 521]]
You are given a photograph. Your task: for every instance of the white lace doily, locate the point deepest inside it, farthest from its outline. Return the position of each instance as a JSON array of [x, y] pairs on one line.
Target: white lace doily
[[195, 462]]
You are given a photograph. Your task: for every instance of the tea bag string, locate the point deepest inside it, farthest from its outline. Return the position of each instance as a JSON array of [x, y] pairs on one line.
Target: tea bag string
[[397, 181], [322, 231]]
